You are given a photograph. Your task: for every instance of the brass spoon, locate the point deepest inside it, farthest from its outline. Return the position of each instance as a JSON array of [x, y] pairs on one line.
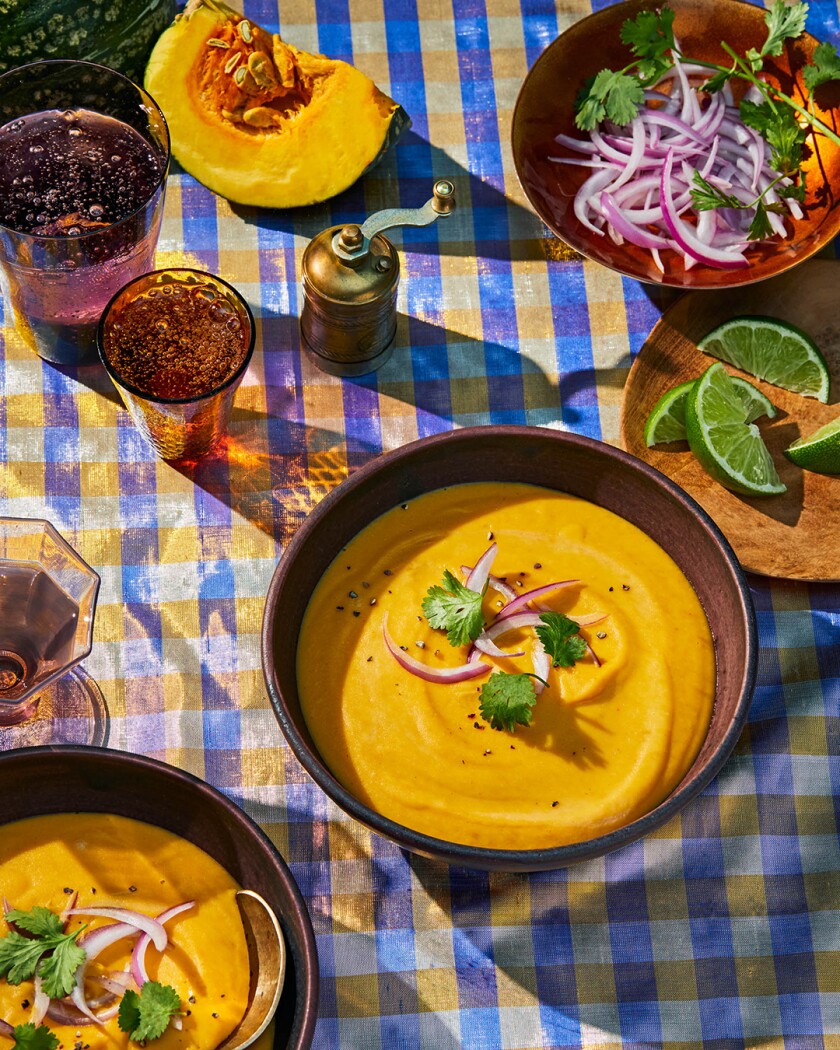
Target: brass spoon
[[267, 957]]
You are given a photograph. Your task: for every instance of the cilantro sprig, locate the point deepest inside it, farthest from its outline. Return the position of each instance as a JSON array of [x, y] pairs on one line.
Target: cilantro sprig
[[147, 1015], [561, 639], [455, 609], [50, 952], [507, 700], [29, 1037], [617, 96]]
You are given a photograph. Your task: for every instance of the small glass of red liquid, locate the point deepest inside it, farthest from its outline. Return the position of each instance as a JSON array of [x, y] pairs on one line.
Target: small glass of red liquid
[[84, 156], [47, 605], [176, 344]]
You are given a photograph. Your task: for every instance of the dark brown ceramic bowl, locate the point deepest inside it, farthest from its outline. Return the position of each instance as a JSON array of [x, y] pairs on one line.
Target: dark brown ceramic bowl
[[545, 108], [590, 469], [67, 779]]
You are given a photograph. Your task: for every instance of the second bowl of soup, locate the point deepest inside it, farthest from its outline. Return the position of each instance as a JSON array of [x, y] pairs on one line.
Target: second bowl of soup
[[509, 648]]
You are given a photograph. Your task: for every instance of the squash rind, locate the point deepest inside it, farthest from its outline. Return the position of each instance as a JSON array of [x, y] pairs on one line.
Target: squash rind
[[320, 146], [115, 33]]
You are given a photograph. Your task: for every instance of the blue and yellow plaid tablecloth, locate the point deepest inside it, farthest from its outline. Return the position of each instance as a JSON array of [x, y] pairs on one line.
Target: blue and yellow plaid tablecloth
[[722, 930]]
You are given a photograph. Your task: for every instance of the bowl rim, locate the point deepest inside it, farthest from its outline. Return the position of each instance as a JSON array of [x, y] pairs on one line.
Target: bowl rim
[[734, 278], [481, 857], [307, 997]]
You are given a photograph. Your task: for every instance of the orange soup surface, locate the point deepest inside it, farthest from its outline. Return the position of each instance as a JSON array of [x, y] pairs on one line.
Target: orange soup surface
[[610, 737], [112, 861]]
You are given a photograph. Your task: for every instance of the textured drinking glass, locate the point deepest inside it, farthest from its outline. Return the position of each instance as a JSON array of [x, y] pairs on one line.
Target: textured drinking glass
[[47, 605], [176, 344], [84, 155]]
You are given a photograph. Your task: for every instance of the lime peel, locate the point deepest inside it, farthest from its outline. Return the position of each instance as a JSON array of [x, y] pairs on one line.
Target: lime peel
[[820, 452]]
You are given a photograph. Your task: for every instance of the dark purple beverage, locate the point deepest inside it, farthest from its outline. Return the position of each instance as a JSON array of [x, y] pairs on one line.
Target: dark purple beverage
[[65, 172], [84, 155]]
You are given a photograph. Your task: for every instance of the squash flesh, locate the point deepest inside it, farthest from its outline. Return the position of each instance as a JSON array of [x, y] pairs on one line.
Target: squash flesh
[[259, 121]]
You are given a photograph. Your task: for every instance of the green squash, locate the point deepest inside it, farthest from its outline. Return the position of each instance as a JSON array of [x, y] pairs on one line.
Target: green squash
[[116, 33]]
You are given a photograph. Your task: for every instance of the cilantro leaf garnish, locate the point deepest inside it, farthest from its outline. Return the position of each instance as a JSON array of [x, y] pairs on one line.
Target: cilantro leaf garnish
[[19, 956], [147, 1015], [40, 922], [825, 66], [50, 952], [58, 970], [507, 700], [650, 36], [706, 196], [560, 638], [609, 96], [782, 131], [455, 609], [784, 22], [28, 1037]]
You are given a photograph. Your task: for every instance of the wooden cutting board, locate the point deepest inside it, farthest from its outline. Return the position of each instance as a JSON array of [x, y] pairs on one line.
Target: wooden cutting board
[[795, 535]]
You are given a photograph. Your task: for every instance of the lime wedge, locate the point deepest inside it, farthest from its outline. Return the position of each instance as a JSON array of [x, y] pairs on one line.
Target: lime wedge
[[729, 448], [820, 452], [772, 350], [666, 421]]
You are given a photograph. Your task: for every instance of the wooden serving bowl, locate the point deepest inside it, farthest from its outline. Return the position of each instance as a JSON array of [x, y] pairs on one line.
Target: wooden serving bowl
[[594, 471], [68, 779], [545, 108]]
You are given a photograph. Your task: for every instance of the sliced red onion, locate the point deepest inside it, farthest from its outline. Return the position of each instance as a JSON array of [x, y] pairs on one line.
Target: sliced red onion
[[116, 983], [66, 1013], [138, 956], [685, 235], [40, 1003], [672, 125], [489, 648], [71, 903], [496, 582], [6, 1029], [529, 596], [478, 576], [135, 918], [542, 665], [591, 652], [502, 624], [94, 943], [630, 231], [451, 675]]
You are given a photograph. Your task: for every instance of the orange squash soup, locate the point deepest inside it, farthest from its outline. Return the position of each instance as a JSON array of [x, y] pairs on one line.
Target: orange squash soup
[[622, 717], [77, 862]]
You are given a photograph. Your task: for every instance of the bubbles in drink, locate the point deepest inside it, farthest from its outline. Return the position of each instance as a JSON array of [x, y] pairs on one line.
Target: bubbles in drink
[[174, 345], [58, 157]]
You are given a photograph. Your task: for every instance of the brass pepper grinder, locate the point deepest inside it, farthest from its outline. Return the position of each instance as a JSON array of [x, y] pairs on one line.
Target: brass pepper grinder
[[350, 279]]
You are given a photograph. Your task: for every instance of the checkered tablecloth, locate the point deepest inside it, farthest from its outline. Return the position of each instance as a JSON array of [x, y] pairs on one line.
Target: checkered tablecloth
[[722, 930]]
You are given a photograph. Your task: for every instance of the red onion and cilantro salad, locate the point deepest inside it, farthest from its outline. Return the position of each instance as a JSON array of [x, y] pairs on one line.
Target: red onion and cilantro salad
[[506, 700], [38, 948], [676, 164]]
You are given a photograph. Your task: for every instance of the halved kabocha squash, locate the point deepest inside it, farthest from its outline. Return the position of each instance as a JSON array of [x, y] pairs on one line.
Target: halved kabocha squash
[[259, 121]]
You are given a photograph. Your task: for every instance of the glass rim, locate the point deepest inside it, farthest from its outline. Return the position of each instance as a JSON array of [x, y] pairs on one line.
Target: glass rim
[[196, 398], [159, 185]]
